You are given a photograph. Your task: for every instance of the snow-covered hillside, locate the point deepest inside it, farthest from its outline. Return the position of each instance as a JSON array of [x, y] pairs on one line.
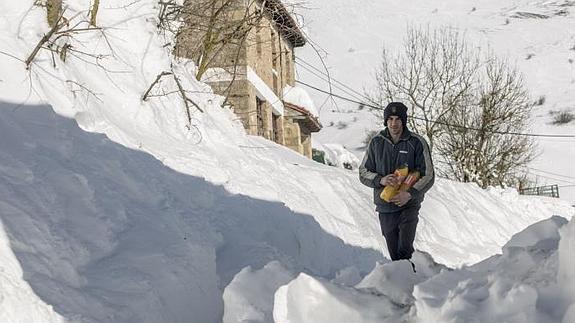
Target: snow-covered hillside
[[117, 210], [537, 36]]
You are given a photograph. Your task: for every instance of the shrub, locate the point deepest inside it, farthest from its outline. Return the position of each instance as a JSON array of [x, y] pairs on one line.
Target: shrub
[[341, 125], [562, 117]]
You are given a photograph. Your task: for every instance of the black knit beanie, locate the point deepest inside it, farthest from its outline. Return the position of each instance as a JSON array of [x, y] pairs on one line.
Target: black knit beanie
[[396, 109]]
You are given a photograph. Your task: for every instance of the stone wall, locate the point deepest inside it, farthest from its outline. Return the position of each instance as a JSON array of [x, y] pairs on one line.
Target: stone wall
[[271, 56], [306, 144], [292, 136], [191, 41]]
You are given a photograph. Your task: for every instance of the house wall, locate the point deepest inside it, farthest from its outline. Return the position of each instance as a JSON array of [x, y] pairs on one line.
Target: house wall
[[241, 96], [306, 143], [272, 58], [265, 50], [303, 137], [292, 136], [189, 41], [268, 50]]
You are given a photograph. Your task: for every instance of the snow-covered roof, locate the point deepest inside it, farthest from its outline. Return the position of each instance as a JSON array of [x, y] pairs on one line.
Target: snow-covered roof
[[298, 96], [286, 23]]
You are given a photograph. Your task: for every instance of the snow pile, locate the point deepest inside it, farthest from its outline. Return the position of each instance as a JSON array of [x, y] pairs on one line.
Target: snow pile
[[337, 155], [454, 228], [566, 272], [384, 295], [521, 285], [527, 283], [102, 232], [105, 233], [156, 219], [249, 296], [298, 96], [18, 302], [309, 299]]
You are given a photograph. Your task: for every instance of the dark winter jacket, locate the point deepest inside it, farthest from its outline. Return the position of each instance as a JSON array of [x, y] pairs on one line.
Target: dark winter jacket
[[383, 157]]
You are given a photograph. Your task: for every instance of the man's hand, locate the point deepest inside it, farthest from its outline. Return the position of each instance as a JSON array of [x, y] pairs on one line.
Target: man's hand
[[401, 198], [389, 180]]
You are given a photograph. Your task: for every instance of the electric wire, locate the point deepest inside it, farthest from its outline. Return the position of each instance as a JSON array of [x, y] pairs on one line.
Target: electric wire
[[436, 121], [358, 94], [323, 78]]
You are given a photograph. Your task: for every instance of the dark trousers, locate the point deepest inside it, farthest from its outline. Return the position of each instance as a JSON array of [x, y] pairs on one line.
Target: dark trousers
[[398, 228]]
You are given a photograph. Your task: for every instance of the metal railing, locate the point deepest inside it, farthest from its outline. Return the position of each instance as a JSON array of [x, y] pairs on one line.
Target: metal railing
[[548, 190]]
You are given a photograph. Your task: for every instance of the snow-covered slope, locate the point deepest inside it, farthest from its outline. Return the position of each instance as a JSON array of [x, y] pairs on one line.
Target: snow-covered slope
[[537, 36], [117, 210], [531, 281]]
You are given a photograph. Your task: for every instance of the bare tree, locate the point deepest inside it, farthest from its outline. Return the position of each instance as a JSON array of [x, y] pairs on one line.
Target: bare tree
[[216, 33], [94, 12], [466, 103], [59, 39], [434, 72], [213, 32], [485, 147]]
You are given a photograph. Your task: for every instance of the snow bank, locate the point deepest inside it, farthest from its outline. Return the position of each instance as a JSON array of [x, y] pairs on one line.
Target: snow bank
[[384, 295], [460, 223], [104, 233], [18, 302], [396, 279], [521, 285], [566, 271], [309, 299], [530, 282], [337, 155], [151, 221], [249, 296]]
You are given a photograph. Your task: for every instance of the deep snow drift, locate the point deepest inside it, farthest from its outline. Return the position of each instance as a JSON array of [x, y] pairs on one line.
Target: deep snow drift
[[118, 210], [532, 281]]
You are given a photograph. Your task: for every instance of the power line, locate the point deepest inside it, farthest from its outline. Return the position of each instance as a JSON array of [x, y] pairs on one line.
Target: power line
[[435, 121], [323, 78], [568, 183], [550, 173], [555, 179], [358, 94]]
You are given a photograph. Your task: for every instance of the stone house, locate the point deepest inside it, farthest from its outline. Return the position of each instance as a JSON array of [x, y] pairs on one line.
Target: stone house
[[257, 76]]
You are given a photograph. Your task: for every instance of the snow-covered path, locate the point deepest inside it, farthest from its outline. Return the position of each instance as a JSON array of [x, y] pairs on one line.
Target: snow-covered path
[[112, 210]]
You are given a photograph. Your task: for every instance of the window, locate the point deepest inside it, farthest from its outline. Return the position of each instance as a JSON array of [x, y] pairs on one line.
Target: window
[[260, 116]]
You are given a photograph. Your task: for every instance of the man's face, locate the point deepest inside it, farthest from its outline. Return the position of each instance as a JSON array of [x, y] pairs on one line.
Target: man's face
[[394, 125]]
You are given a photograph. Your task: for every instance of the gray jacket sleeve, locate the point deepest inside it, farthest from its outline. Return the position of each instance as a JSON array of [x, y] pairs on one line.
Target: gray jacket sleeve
[[367, 170], [425, 165]]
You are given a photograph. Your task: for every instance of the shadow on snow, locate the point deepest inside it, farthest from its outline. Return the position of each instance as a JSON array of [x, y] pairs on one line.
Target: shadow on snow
[[105, 233]]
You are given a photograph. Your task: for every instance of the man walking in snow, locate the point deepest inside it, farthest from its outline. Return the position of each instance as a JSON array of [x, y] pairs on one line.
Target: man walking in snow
[[389, 149]]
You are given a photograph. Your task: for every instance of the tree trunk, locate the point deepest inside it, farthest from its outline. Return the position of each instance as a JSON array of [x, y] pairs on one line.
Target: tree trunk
[[94, 12]]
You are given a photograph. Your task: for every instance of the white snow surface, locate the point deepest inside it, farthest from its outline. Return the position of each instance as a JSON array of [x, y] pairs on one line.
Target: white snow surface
[[300, 97], [264, 91], [114, 209], [338, 155], [352, 34], [524, 284], [250, 295]]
